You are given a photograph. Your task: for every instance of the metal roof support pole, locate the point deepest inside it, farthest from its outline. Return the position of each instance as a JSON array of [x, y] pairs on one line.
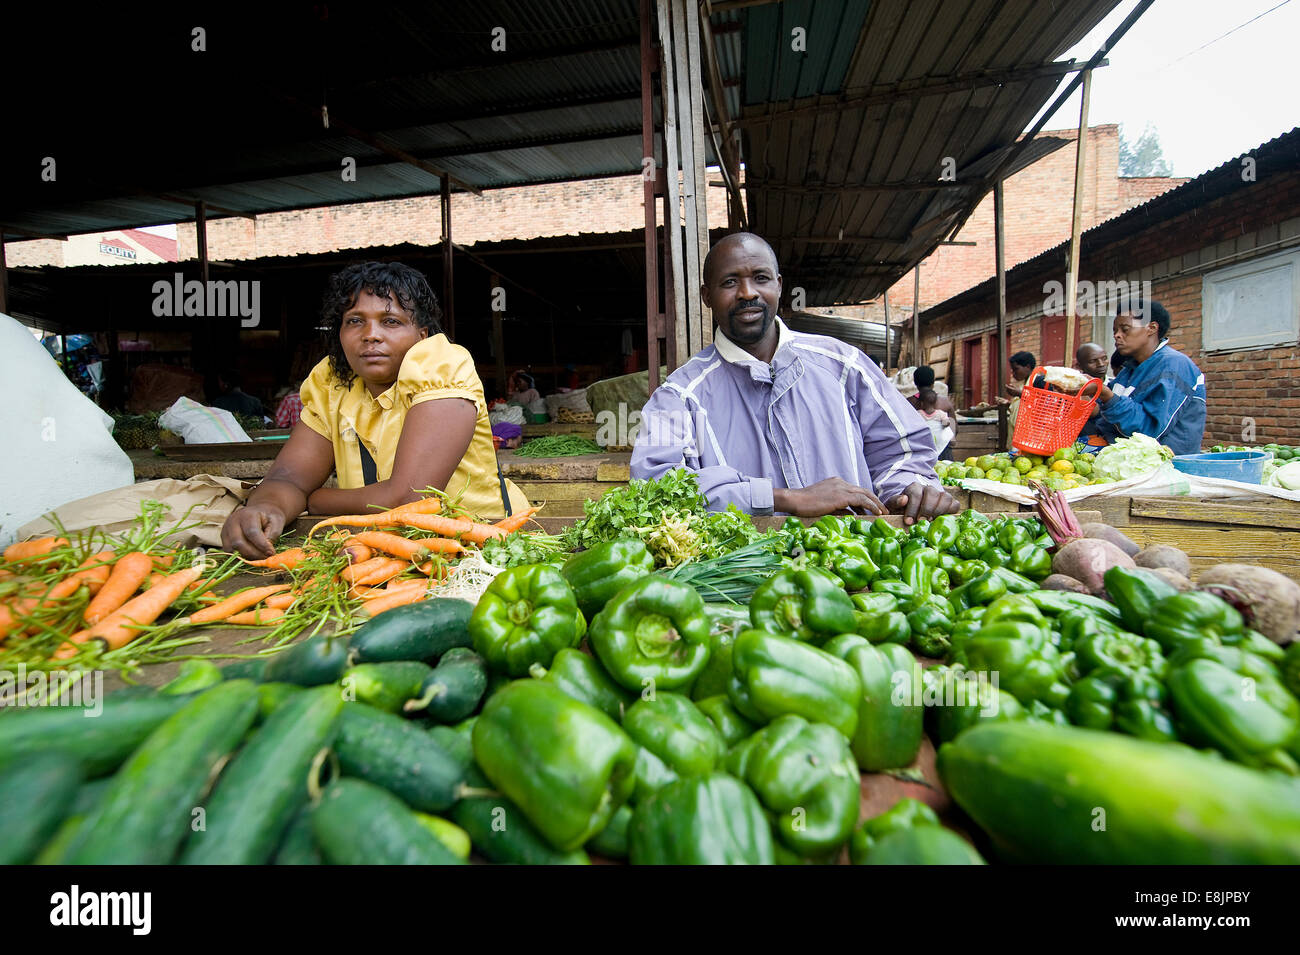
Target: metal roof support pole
[[699, 195], [999, 254], [886, 331], [916, 316], [201, 236], [203, 342], [674, 288], [687, 78], [1076, 220], [448, 284], [653, 317]]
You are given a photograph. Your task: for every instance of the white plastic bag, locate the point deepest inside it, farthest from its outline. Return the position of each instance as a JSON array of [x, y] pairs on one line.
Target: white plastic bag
[[510, 414], [199, 424]]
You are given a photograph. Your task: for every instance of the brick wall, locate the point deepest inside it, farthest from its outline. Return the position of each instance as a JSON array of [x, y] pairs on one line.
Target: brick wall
[[1262, 384]]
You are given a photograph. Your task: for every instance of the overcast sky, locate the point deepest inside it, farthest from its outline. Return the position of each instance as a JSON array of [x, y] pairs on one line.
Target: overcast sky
[[1208, 105]]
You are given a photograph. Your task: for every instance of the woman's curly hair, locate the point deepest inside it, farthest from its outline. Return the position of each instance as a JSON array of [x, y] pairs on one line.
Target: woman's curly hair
[[393, 280]]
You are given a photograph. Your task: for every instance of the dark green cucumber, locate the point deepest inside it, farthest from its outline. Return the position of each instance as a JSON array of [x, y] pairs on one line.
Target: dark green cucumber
[[194, 675], [298, 847], [500, 832], [1055, 794], [99, 742], [398, 755], [459, 746], [86, 798], [35, 794], [611, 842], [266, 783], [386, 686], [420, 631], [923, 845], [252, 669], [272, 696], [147, 810], [315, 661], [356, 823], [453, 689]]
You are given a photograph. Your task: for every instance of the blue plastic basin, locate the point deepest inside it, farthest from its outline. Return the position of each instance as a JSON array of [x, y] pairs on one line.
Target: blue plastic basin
[[1244, 466]]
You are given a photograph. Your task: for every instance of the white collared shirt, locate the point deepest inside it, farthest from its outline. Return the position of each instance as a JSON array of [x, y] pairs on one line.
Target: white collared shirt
[[733, 353]]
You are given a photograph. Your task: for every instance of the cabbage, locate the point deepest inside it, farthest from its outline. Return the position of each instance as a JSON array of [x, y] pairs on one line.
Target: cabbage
[[1130, 457], [1287, 477]]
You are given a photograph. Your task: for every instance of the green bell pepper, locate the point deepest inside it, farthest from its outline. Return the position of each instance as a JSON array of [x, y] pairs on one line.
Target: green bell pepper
[[1183, 617], [984, 589], [995, 556], [670, 727], [891, 627], [917, 568], [891, 714], [582, 678], [1031, 561], [892, 572], [948, 563], [1127, 700], [940, 584], [904, 814], [914, 544], [943, 532], [1015, 583], [567, 765], [527, 615], [1291, 668], [1118, 650], [881, 528], [805, 776], [655, 632], [1056, 602], [973, 541], [956, 699], [776, 675], [725, 622], [1234, 702], [795, 528], [1016, 607], [931, 631], [704, 820], [726, 719], [611, 842], [885, 551], [809, 603], [1012, 535], [596, 575], [874, 603], [850, 562], [841, 645], [1135, 592], [1028, 666], [1252, 641], [815, 540], [894, 588], [968, 570], [972, 516]]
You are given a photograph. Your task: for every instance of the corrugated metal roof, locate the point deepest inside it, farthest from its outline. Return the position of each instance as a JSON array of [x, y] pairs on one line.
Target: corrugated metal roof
[[1278, 154], [901, 136]]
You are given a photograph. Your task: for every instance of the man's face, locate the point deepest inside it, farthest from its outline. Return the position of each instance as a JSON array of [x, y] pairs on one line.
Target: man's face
[[376, 334], [1095, 363], [1021, 372], [1132, 333], [743, 290]]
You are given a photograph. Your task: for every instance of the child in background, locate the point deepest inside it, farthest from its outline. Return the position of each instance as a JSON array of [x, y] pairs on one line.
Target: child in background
[[942, 426]]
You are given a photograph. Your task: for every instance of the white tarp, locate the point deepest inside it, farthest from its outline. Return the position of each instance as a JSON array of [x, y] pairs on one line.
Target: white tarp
[[59, 444], [1165, 481]]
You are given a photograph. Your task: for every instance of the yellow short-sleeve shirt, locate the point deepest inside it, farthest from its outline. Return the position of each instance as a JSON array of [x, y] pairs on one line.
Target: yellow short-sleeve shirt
[[433, 368]]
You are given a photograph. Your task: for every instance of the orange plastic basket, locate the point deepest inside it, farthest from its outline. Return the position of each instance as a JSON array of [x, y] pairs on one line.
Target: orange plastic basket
[[1050, 420]]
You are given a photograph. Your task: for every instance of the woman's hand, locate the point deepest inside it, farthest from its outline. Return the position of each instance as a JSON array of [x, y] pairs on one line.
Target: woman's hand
[[251, 530]]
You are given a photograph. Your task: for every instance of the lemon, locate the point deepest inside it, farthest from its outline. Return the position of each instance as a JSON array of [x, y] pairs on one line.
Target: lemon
[[975, 472], [1012, 477], [1063, 467], [986, 461], [1037, 473], [971, 462], [1023, 464], [1082, 465], [993, 474]]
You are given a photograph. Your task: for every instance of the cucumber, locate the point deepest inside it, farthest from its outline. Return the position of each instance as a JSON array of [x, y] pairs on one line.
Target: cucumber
[[399, 756], [449, 834], [271, 696], [453, 689], [298, 847], [385, 686], [100, 743], [35, 794], [83, 801], [923, 845], [266, 783], [501, 833], [419, 631], [458, 745], [147, 809], [315, 661], [356, 823], [1044, 794], [251, 669], [194, 675]]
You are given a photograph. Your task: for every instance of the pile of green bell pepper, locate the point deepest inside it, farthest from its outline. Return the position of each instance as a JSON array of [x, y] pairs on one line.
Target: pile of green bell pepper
[[527, 615], [653, 633]]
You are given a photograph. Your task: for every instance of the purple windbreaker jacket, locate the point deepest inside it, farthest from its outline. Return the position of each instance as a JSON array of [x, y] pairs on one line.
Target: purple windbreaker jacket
[[822, 409]]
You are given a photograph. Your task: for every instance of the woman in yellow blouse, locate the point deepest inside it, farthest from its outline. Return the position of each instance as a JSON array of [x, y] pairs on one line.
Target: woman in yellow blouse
[[393, 408]]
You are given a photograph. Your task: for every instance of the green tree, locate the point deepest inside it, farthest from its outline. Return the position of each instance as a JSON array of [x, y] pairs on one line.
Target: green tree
[[1145, 157]]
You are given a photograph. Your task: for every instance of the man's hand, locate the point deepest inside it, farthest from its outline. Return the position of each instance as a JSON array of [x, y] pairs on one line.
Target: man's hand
[[923, 500], [825, 497], [251, 531]]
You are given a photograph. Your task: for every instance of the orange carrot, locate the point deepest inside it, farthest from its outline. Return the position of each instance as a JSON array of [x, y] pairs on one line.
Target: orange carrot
[[427, 505], [164, 560], [94, 570], [130, 571], [11, 614], [357, 552], [233, 604], [30, 550], [452, 527], [400, 599], [354, 572], [388, 571], [515, 521], [285, 560], [281, 601], [153, 579], [121, 627], [255, 618], [406, 548]]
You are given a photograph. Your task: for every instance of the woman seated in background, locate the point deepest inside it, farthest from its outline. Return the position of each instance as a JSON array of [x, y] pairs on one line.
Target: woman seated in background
[[522, 389], [394, 408]]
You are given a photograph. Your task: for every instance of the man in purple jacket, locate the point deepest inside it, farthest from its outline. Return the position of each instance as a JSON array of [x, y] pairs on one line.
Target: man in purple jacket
[[777, 421]]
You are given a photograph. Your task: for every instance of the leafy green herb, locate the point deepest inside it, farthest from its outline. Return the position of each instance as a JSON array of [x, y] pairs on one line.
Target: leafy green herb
[[520, 548]]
